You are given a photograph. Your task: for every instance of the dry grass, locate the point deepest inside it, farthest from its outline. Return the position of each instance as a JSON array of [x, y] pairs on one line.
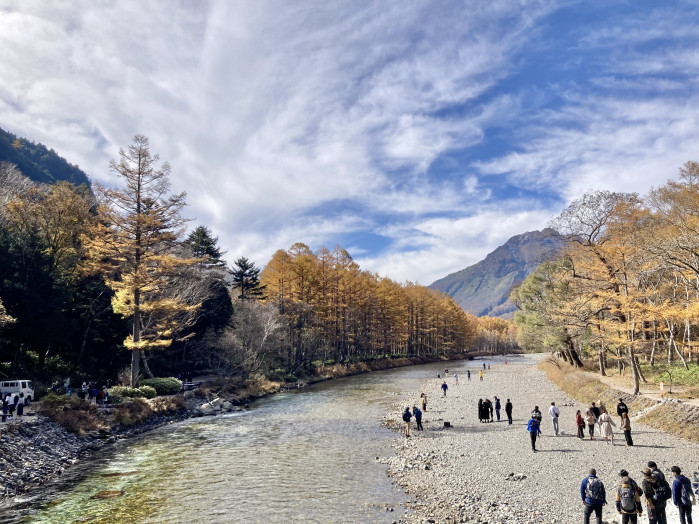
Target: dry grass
[[681, 420], [73, 414], [133, 411], [258, 386]]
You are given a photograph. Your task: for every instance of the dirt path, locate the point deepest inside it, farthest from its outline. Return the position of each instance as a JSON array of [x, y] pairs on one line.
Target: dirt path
[[649, 390]]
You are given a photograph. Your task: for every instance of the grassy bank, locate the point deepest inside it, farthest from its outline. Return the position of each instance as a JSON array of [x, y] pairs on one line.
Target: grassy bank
[[675, 418]]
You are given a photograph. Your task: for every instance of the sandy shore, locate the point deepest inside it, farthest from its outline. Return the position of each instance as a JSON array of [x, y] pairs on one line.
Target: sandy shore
[[475, 472]]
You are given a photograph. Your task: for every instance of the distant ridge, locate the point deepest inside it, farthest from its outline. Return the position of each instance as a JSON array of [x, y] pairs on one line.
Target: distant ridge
[[37, 162], [483, 288]]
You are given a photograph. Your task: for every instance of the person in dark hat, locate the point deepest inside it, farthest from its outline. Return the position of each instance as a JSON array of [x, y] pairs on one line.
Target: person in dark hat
[[628, 501], [655, 505]]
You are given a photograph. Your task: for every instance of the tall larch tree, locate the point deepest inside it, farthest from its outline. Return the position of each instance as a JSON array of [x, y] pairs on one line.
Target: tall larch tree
[[134, 246]]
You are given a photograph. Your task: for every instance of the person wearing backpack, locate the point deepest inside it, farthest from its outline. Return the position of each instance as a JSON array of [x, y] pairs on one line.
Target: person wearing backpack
[[628, 502], [534, 431], [682, 495], [656, 491], [593, 496], [406, 418]]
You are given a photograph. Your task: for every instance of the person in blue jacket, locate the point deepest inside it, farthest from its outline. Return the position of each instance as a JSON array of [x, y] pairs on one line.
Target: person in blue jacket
[[593, 496], [682, 495], [534, 431]]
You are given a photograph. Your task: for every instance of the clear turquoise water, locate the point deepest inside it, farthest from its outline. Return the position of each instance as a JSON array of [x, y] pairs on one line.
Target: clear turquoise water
[[305, 456]]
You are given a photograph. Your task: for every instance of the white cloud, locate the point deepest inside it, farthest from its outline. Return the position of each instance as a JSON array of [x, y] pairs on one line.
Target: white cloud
[[309, 121]]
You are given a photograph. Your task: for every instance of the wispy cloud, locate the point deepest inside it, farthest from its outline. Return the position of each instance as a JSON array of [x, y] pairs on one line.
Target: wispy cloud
[[431, 125]]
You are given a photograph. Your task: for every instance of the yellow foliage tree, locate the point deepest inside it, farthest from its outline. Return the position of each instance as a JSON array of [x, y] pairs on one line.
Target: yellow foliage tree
[[134, 246]]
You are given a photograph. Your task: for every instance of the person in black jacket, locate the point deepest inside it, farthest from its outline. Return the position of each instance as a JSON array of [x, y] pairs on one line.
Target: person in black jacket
[[621, 408], [508, 410], [406, 418]]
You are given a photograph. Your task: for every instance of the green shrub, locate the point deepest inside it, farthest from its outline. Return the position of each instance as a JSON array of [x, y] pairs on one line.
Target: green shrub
[[148, 391], [163, 385], [276, 375], [118, 393]]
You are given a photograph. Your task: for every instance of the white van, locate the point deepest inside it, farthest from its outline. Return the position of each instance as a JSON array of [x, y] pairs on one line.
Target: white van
[[18, 386]]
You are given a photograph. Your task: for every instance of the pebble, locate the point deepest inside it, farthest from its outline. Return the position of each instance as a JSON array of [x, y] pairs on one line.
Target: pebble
[[487, 473]]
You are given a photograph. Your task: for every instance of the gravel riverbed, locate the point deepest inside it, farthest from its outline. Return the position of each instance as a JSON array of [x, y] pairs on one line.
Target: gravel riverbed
[[487, 472]]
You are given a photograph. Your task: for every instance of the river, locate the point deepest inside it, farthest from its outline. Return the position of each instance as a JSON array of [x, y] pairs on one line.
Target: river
[[304, 456]]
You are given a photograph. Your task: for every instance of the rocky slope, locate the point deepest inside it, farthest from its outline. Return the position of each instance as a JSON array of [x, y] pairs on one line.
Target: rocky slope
[[483, 288]]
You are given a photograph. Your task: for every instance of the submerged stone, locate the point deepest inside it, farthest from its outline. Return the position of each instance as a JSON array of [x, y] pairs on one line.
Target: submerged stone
[[108, 494]]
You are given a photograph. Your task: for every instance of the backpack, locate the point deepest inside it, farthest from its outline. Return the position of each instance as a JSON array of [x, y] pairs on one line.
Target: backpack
[[627, 494], [685, 498], [662, 491], [593, 489], [406, 416]]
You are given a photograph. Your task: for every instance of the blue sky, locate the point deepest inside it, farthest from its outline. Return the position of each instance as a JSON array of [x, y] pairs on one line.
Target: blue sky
[[417, 135]]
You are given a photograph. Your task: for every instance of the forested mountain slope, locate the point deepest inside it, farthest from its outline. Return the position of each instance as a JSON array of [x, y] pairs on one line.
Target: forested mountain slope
[[37, 162], [483, 288]]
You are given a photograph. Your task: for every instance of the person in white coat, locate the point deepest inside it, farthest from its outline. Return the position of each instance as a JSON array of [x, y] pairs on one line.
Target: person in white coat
[[554, 413], [606, 423]]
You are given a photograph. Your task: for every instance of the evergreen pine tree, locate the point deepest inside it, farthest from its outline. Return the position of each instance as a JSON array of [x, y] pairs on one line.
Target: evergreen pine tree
[[204, 245], [246, 278]]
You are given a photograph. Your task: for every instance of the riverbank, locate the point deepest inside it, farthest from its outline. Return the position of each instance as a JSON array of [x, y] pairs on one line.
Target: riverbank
[[475, 472], [37, 450]]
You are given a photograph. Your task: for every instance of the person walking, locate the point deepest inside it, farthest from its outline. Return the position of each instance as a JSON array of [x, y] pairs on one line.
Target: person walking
[[628, 502], [596, 412], [626, 428], [444, 388], [483, 366], [20, 406], [480, 375], [536, 414], [468, 375], [653, 490], [554, 413], [406, 418], [423, 400], [456, 379], [682, 495], [605, 424], [497, 408], [622, 408], [591, 421], [490, 408], [593, 496], [418, 417], [508, 411], [580, 422], [480, 410], [534, 431]]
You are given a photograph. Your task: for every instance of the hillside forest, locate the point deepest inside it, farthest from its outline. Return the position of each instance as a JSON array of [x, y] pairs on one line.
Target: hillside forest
[[625, 289], [104, 283]]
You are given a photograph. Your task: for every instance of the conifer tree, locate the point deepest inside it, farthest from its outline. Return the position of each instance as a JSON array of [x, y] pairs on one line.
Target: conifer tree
[[246, 278], [204, 245], [133, 246]]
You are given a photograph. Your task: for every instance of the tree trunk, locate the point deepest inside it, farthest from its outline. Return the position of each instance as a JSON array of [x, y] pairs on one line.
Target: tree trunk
[[602, 370], [572, 354], [136, 334], [636, 371]]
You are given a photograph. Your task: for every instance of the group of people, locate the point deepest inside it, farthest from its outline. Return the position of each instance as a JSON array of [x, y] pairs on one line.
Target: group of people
[[13, 403], [597, 419], [487, 406], [654, 488]]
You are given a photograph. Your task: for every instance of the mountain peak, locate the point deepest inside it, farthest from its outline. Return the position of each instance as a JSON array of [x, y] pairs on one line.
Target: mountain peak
[[483, 288]]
